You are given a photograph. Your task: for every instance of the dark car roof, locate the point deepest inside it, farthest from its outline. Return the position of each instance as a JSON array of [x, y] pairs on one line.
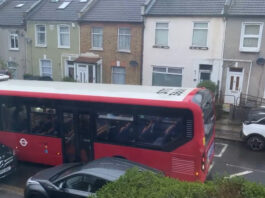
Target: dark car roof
[[111, 168]]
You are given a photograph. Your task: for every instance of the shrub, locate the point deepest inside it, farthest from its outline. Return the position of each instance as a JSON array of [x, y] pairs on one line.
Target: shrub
[[208, 85], [32, 77], [69, 79], [136, 184]]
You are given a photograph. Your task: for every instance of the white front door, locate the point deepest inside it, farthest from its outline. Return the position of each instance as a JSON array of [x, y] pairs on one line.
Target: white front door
[[234, 83], [86, 73], [82, 73]]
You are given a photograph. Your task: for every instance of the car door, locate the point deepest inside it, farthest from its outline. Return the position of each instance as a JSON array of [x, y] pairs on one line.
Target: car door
[[78, 186]]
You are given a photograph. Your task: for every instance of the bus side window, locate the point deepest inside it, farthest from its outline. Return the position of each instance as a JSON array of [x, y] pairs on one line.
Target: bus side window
[[44, 121], [114, 127], [14, 117]]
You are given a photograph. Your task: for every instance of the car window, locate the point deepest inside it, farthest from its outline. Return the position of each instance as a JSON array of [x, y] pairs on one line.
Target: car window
[[86, 183], [262, 122]]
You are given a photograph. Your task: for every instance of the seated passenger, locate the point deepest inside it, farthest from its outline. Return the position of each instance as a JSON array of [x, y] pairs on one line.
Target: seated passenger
[[148, 133], [124, 134]]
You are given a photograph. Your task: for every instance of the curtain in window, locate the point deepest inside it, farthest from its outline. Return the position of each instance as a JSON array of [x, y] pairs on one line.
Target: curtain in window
[[161, 37], [250, 42], [97, 37], [199, 38], [46, 68], [64, 36], [118, 75], [40, 34], [171, 80], [124, 39], [252, 29]]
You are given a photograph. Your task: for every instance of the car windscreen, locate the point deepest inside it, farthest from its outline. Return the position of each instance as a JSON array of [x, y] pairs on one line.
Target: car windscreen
[[66, 172]]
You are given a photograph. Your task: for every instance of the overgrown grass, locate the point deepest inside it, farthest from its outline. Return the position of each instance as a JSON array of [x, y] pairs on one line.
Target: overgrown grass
[[135, 184]]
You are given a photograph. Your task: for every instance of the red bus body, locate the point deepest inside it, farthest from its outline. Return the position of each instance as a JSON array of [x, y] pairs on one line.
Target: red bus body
[[183, 163]]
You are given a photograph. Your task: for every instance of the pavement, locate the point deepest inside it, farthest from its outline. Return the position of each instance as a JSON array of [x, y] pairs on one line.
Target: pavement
[[228, 129]]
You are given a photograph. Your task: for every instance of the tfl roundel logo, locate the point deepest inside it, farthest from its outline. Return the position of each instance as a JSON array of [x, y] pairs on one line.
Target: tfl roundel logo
[[23, 142]]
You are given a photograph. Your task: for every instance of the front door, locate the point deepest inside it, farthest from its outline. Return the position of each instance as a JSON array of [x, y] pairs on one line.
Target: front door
[[77, 136], [86, 73], [82, 73], [234, 83]]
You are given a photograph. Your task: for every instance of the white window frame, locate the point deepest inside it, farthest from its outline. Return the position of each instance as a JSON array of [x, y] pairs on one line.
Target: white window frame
[[194, 22], [243, 36], [16, 41], [162, 29], [40, 67], [59, 36], [112, 69], [36, 36], [67, 66], [92, 40], [167, 72], [130, 35]]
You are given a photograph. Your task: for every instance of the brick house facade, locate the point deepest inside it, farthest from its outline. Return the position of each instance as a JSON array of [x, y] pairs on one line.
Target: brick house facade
[[110, 54]]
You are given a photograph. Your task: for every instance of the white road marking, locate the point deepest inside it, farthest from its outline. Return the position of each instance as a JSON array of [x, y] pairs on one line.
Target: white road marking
[[210, 168], [246, 168], [223, 149], [240, 174]]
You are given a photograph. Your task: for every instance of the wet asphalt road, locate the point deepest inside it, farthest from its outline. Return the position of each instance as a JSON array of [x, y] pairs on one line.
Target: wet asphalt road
[[231, 159]]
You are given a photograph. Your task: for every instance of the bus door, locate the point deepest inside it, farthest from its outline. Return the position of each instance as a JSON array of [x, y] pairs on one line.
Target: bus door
[[76, 136]]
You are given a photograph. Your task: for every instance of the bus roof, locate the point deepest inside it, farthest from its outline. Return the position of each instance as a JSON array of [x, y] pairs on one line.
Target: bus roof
[[18, 87]]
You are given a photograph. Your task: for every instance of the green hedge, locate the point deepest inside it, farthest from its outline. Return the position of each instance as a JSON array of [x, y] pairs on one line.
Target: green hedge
[[135, 184]]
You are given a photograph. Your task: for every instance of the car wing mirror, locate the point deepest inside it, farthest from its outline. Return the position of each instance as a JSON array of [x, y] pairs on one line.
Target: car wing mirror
[[61, 186]]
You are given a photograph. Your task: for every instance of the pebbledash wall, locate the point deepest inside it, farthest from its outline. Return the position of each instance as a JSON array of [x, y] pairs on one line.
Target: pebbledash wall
[[179, 54], [110, 54]]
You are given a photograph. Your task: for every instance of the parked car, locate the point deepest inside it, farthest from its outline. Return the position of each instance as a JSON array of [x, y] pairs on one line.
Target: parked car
[[77, 180], [253, 131], [7, 161]]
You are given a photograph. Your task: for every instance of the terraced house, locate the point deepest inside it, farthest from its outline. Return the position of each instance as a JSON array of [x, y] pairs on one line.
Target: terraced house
[[54, 37], [13, 39], [244, 51], [183, 42], [112, 32]]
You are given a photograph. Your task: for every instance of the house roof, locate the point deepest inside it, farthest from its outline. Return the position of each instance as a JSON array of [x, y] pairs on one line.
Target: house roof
[[115, 11], [12, 12], [247, 8], [49, 11], [186, 7]]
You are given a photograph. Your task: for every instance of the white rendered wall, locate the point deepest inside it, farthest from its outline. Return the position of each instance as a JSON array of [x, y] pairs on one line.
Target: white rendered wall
[[179, 53]]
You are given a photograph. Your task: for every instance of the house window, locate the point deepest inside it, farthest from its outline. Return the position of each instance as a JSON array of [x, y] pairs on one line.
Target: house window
[[167, 76], [200, 32], [97, 38], [63, 36], [161, 34], [118, 75], [41, 35], [124, 39], [13, 41], [70, 70], [205, 72], [46, 68], [251, 34]]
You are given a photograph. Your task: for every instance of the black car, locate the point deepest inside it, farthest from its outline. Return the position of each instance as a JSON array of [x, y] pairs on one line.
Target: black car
[[77, 180], [7, 161]]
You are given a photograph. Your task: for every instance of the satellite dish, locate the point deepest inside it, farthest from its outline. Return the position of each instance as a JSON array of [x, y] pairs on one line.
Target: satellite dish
[[260, 61]]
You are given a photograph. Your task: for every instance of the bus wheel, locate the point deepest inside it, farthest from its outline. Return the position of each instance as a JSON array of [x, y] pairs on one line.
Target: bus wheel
[[256, 143]]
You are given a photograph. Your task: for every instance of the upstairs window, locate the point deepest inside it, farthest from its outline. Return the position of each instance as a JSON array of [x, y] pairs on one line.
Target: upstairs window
[[13, 42], [161, 34], [124, 39], [63, 36], [251, 34], [200, 33], [40, 35], [97, 38]]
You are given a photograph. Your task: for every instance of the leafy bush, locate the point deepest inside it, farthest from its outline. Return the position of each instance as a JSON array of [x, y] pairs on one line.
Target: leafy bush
[[69, 79], [136, 184], [208, 85], [32, 77]]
